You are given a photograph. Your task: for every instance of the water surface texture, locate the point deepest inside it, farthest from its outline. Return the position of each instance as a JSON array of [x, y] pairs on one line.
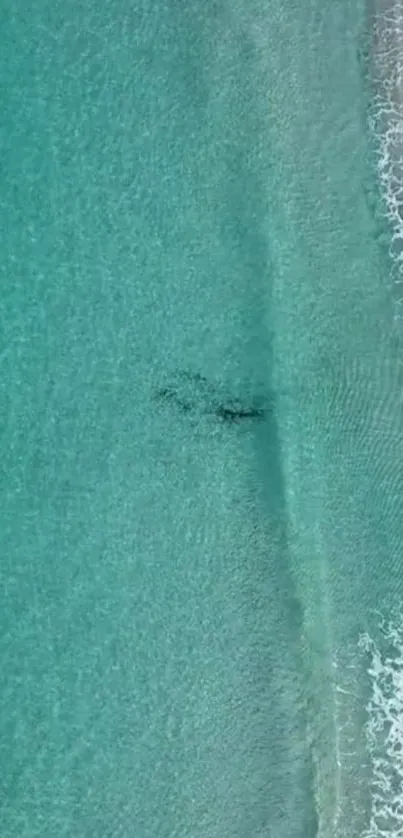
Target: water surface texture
[[201, 510]]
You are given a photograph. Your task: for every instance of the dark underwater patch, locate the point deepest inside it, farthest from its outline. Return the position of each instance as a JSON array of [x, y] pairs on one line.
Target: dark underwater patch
[[193, 393]]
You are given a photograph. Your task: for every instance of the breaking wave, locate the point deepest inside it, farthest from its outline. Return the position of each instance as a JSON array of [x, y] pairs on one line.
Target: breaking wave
[[384, 730], [386, 120]]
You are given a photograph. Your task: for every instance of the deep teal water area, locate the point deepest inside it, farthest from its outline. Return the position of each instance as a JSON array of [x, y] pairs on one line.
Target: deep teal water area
[[201, 424]]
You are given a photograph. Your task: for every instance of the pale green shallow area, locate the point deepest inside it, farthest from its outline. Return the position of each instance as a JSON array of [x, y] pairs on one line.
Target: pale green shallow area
[[338, 372], [184, 192]]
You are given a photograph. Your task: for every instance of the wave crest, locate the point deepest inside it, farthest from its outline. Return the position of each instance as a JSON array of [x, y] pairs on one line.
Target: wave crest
[[384, 730]]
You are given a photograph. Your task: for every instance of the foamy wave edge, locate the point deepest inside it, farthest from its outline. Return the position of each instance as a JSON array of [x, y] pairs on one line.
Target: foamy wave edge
[[384, 729], [386, 122]]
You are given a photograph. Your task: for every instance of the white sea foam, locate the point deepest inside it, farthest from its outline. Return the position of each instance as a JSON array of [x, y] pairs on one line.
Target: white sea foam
[[384, 730], [387, 119]]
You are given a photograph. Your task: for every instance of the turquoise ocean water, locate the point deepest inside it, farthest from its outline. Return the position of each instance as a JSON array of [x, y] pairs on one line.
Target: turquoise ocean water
[[201, 370]]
